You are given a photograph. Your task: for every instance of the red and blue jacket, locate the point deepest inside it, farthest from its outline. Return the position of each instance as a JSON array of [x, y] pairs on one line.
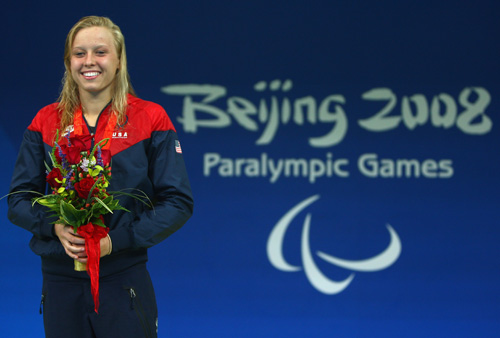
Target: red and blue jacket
[[146, 155]]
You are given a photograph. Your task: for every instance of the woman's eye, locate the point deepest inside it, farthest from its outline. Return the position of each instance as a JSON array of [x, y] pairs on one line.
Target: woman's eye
[[101, 52], [79, 54]]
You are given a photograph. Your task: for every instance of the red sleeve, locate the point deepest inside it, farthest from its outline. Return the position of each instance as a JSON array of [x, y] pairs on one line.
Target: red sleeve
[[46, 122]]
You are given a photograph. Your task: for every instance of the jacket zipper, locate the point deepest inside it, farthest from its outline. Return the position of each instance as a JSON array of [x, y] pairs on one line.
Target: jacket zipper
[[96, 123]]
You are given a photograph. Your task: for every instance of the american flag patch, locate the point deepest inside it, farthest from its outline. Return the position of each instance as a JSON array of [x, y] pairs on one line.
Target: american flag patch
[[178, 147]]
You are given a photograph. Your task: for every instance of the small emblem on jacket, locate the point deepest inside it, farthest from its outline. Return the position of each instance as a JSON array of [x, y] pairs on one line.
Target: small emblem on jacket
[[178, 147], [119, 134], [68, 130]]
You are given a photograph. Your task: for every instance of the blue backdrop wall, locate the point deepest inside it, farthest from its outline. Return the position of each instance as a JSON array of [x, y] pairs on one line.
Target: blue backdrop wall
[[343, 157]]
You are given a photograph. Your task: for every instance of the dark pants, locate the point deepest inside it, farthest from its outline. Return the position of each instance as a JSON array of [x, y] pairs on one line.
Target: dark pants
[[127, 306]]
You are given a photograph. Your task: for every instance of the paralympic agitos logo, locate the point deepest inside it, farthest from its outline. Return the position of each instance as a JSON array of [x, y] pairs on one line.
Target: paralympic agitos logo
[[317, 279]]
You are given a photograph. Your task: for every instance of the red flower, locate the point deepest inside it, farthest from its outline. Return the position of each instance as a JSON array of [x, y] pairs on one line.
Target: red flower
[[78, 144], [82, 142], [83, 187], [54, 174]]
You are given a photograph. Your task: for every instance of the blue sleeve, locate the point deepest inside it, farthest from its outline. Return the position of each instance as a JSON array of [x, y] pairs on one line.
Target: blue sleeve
[[29, 175], [173, 200]]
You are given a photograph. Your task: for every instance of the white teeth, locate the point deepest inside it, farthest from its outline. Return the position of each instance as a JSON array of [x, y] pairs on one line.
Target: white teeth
[[91, 74]]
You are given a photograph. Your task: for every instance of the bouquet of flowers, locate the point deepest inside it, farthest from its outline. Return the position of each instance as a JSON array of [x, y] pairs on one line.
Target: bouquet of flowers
[[78, 179]]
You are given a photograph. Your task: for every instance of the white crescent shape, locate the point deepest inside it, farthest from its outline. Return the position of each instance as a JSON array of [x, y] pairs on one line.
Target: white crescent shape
[[275, 240], [315, 276], [379, 262]]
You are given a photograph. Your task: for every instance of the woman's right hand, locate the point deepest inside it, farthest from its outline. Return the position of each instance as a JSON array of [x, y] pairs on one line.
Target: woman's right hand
[[73, 244]]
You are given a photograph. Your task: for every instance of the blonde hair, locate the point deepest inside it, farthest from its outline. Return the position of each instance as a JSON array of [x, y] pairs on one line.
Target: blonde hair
[[69, 99]]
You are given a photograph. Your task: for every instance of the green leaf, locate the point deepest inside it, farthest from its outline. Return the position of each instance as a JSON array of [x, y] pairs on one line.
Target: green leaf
[[97, 208], [73, 216], [142, 197], [115, 205], [101, 144], [103, 204], [49, 201], [97, 221], [108, 200], [89, 197], [95, 172], [49, 169], [22, 192]]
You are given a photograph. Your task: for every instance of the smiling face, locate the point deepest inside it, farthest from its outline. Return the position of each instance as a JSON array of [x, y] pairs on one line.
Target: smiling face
[[94, 62]]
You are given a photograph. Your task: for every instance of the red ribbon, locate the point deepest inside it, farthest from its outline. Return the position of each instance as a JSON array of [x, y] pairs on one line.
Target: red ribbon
[[81, 129], [93, 234]]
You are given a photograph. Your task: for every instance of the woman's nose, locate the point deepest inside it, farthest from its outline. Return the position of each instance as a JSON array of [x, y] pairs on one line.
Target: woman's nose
[[89, 60]]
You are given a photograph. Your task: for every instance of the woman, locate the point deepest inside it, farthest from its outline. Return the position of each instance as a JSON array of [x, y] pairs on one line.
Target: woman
[[97, 99]]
